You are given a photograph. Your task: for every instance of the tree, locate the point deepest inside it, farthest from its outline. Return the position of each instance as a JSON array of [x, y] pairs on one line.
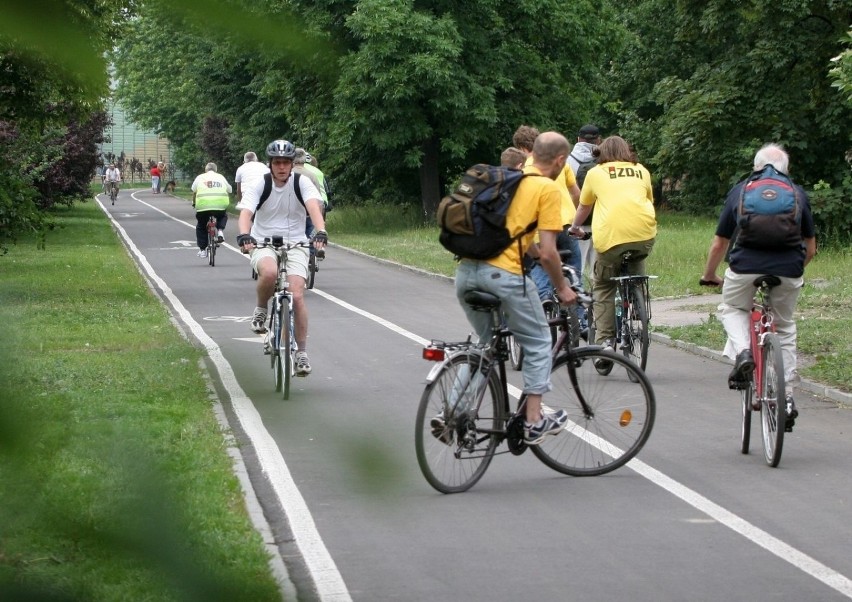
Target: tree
[[718, 79]]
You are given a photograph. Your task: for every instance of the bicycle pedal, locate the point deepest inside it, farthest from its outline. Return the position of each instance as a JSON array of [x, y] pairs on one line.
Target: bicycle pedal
[[515, 435]]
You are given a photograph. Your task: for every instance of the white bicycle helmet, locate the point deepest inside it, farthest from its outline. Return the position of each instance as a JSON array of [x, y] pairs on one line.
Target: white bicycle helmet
[[281, 148]]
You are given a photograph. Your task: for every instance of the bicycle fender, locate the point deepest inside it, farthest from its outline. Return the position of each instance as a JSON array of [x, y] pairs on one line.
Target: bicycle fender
[[433, 373]]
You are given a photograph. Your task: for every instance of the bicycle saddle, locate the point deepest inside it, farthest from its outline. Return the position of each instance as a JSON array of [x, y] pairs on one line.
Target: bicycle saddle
[[481, 301], [768, 281]]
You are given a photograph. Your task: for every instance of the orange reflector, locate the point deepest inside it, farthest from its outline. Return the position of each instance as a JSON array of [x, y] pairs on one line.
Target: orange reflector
[[433, 354], [626, 417]]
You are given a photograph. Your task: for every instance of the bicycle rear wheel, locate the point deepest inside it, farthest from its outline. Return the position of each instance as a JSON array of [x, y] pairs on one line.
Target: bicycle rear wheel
[[747, 397], [211, 245], [454, 443], [634, 328], [618, 422], [286, 347], [772, 400]]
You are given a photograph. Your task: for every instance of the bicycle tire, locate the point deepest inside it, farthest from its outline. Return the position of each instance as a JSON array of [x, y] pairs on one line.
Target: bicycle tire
[[286, 345], [773, 411], [747, 396], [621, 421], [313, 268], [211, 246], [275, 346], [516, 353], [454, 457], [634, 330]]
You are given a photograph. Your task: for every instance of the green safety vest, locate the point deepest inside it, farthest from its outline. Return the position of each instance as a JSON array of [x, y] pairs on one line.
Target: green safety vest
[[212, 192]]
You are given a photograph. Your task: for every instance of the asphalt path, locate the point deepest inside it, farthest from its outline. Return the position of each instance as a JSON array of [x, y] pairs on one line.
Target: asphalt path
[[335, 470]]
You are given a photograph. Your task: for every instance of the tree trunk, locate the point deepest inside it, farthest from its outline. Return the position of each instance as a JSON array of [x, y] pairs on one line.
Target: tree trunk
[[430, 185]]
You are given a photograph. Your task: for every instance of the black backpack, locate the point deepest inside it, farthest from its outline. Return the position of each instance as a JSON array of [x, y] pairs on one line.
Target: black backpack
[[583, 168], [473, 217]]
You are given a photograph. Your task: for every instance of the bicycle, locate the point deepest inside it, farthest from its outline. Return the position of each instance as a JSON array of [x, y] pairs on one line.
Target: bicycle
[[632, 315], [765, 391], [113, 191], [212, 240], [313, 268], [280, 343], [464, 412], [551, 311]]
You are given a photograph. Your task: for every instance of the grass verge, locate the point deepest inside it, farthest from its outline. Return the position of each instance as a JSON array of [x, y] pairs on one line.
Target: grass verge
[[115, 483], [824, 312]]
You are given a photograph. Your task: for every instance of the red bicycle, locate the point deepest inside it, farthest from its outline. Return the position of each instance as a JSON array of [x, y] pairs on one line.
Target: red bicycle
[[765, 391]]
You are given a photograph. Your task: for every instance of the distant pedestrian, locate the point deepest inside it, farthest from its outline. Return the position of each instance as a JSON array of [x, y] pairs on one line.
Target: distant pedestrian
[[155, 179]]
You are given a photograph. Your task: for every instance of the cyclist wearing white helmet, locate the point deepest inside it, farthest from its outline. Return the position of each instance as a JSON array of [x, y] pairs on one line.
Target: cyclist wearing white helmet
[[271, 207]]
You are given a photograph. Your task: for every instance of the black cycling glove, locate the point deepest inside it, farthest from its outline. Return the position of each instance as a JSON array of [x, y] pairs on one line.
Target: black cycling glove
[[321, 236], [245, 239]]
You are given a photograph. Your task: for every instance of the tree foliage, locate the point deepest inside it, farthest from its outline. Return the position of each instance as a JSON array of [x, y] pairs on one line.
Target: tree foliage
[[54, 79], [718, 79]]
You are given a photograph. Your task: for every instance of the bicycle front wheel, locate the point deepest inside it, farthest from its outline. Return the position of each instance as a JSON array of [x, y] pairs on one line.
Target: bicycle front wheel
[[612, 425], [516, 353], [772, 400], [454, 440], [275, 346], [313, 268], [635, 338], [747, 396]]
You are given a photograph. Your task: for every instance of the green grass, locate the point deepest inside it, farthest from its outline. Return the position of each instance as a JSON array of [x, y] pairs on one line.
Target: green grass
[[824, 313], [115, 483]]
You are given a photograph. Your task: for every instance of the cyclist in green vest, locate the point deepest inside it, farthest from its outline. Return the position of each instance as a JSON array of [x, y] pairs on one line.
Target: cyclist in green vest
[[210, 196]]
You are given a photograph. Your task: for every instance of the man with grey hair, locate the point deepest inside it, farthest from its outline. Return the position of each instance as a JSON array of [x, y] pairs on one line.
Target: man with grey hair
[[249, 170], [754, 254], [210, 196]]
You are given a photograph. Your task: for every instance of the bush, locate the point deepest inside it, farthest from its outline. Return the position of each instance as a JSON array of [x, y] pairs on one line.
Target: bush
[[832, 211]]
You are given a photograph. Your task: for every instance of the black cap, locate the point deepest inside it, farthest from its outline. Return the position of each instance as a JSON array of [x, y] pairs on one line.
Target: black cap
[[589, 132]]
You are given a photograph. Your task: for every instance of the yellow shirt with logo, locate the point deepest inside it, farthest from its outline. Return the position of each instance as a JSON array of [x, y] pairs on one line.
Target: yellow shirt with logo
[[624, 204], [536, 199]]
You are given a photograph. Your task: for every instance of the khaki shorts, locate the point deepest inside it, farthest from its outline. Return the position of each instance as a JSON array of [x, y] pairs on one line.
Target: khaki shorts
[[297, 259]]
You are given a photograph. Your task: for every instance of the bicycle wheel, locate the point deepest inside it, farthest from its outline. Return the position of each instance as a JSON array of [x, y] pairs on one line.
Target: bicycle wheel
[[275, 345], [454, 443], [286, 345], [313, 268], [617, 424], [747, 396], [772, 400], [113, 194], [516, 353], [211, 246], [551, 311], [634, 330]]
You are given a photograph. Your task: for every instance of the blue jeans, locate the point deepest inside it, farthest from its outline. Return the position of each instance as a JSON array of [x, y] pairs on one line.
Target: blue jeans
[[524, 317], [542, 280]]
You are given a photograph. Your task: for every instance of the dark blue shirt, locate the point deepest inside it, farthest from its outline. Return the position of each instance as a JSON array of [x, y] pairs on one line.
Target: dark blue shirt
[[787, 262]]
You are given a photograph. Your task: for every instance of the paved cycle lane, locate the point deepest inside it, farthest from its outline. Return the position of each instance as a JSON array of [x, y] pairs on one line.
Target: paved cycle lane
[[691, 509]]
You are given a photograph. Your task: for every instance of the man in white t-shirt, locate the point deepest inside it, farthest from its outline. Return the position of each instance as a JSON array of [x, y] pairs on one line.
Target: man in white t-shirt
[[282, 215], [249, 170]]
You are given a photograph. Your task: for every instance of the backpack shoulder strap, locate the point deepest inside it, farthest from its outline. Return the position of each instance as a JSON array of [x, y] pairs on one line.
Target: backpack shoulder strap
[[298, 188], [267, 190]]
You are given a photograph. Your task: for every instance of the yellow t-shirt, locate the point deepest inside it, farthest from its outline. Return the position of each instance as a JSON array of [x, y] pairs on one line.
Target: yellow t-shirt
[[624, 204], [537, 198], [565, 181]]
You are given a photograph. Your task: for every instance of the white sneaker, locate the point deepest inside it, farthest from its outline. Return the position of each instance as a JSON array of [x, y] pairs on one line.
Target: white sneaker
[[203, 253], [303, 366], [258, 320], [220, 236]]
